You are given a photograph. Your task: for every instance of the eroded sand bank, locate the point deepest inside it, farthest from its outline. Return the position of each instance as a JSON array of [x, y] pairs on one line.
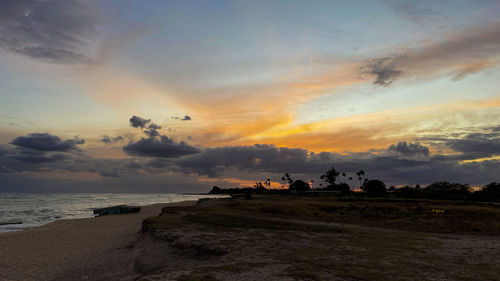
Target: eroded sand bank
[[51, 251]]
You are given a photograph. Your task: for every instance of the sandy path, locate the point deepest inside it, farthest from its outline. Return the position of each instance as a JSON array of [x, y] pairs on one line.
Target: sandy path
[[49, 251]]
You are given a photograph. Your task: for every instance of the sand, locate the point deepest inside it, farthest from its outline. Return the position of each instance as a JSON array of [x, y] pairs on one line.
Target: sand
[[65, 249]]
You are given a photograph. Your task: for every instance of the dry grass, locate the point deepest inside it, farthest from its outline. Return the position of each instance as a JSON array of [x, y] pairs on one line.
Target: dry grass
[[300, 238], [414, 215]]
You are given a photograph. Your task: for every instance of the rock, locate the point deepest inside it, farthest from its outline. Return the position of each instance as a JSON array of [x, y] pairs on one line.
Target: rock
[[11, 222], [116, 210]]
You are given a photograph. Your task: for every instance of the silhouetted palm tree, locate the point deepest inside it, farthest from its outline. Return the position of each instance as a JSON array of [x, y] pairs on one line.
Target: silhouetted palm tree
[[330, 176], [287, 179], [361, 175]]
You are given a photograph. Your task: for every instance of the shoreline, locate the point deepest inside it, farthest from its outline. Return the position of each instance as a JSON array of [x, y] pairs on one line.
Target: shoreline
[[26, 211], [50, 250]]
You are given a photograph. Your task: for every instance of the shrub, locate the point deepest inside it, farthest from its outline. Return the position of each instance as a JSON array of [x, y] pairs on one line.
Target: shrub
[[299, 186], [490, 192], [374, 187], [447, 190]]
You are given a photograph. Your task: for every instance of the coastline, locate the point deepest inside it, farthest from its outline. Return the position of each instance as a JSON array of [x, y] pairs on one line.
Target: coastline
[[269, 237], [49, 251]]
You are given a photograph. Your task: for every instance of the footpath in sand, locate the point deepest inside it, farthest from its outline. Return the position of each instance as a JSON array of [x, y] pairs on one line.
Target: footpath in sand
[[50, 251]]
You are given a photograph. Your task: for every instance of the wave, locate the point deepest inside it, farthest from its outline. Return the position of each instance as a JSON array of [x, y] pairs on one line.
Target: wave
[[41, 208]]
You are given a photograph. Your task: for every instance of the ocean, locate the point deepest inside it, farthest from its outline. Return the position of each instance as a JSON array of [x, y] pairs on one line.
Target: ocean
[[20, 211]]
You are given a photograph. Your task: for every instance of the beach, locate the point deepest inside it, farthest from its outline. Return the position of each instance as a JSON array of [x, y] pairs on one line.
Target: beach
[[265, 238], [68, 247]]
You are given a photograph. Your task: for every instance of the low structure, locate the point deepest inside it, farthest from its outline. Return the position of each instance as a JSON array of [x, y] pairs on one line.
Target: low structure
[[116, 210]]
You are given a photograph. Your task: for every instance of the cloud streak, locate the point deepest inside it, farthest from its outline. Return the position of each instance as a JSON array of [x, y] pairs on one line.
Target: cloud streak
[[460, 54], [56, 31], [109, 140], [384, 70], [185, 118]]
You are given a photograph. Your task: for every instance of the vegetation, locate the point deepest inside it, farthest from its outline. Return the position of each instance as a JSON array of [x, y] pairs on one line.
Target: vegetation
[[408, 214], [491, 192], [374, 188], [274, 237], [299, 186], [370, 188], [336, 230]]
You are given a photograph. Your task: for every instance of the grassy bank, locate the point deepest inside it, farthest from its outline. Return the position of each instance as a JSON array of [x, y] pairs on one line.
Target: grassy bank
[[403, 214], [304, 238]]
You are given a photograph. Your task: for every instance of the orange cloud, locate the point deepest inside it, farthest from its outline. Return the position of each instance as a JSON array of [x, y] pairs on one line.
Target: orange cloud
[[365, 131]]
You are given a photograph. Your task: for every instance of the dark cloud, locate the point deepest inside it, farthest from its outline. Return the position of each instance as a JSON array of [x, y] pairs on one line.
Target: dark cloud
[[185, 118], [485, 142], [409, 149], [31, 157], [52, 30], [152, 130], [495, 129], [256, 158], [156, 145], [383, 69], [159, 147], [109, 140], [476, 145], [138, 122], [390, 166], [3, 150], [401, 163], [163, 155], [47, 142]]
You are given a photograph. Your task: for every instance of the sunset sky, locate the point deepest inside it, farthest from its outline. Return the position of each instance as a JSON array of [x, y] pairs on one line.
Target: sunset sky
[[178, 96]]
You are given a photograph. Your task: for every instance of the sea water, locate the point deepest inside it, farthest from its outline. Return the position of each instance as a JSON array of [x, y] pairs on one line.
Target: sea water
[[20, 211]]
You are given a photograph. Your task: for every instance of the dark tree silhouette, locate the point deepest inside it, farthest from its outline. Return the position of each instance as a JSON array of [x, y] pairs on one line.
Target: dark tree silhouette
[[286, 178], [330, 176], [299, 186], [374, 187], [408, 192], [447, 190], [268, 183], [490, 192], [259, 187]]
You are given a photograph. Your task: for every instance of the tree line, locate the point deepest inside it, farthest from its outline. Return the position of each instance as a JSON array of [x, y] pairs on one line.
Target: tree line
[[336, 182]]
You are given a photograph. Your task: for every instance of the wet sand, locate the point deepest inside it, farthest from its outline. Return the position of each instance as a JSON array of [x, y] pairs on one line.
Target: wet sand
[[63, 247]]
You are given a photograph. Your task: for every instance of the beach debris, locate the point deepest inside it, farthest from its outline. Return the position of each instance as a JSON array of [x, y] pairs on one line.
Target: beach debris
[[116, 210], [11, 222]]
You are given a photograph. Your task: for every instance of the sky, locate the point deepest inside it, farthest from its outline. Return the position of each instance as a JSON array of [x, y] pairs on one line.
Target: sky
[[178, 96]]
